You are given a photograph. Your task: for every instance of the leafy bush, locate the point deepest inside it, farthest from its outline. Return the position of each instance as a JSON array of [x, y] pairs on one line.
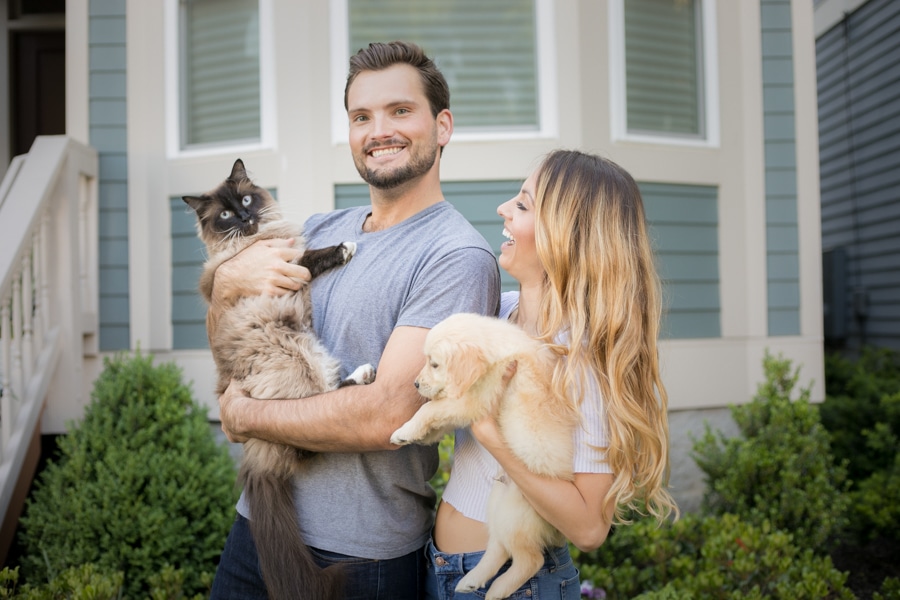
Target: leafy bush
[[140, 485], [781, 469], [890, 590], [710, 558], [862, 411]]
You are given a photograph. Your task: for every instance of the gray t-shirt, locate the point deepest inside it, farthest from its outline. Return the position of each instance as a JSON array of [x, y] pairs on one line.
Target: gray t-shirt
[[378, 504]]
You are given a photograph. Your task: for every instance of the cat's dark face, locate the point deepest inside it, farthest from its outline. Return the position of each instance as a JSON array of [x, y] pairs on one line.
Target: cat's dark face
[[234, 209]]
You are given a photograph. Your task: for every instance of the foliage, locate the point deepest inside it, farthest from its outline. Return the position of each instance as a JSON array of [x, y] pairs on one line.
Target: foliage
[[140, 485], [890, 590], [442, 476], [862, 410], [708, 557], [781, 469], [862, 413]]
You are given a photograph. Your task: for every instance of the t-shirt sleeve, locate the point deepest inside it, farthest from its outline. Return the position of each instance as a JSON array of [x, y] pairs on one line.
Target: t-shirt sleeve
[[464, 280]]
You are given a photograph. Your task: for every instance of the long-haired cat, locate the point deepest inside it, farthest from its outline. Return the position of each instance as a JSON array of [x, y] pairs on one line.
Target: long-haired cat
[[267, 344]]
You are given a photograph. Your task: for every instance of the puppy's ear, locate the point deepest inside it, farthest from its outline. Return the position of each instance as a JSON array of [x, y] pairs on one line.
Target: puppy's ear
[[465, 366]]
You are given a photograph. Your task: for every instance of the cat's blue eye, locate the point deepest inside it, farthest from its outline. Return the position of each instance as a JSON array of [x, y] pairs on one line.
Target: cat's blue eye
[[226, 214], [246, 200]]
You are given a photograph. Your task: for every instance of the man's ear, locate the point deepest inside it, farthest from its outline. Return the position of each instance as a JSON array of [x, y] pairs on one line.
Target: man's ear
[[444, 121]]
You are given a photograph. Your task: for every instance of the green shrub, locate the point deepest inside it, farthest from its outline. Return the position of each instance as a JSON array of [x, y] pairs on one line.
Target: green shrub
[[780, 470], [890, 590], [862, 411], [442, 475], [140, 484], [710, 558]]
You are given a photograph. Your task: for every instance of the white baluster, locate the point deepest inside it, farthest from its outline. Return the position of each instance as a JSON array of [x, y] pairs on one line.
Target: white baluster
[[6, 399], [27, 321], [18, 383], [37, 269], [44, 280]]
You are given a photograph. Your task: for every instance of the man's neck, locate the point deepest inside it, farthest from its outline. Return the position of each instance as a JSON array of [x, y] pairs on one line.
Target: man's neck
[[393, 206]]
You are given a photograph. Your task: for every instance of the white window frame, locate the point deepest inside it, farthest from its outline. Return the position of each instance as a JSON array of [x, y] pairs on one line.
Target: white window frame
[[268, 127], [546, 78], [710, 78]]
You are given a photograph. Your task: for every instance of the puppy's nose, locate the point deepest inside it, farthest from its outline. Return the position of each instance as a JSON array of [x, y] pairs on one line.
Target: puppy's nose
[[416, 383]]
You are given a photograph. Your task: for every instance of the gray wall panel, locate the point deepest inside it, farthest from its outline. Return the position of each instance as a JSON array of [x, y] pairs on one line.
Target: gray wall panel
[[858, 78]]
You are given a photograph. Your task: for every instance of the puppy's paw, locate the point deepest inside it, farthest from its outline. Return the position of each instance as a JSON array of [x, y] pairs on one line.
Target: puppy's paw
[[349, 249], [362, 375], [468, 584], [404, 436]]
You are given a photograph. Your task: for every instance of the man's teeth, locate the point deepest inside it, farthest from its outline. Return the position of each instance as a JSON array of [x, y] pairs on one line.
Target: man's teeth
[[385, 151]]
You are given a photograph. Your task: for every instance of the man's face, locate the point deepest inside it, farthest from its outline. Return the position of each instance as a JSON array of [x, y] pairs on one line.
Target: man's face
[[394, 138]]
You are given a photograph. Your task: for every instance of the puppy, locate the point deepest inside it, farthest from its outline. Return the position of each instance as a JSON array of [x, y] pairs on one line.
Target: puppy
[[466, 357]]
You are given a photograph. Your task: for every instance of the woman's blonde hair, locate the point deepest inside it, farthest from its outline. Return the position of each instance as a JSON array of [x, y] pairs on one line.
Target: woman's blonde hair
[[604, 294]]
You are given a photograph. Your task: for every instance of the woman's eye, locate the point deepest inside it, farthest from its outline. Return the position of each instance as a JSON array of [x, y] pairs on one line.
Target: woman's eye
[[226, 214], [247, 200], [521, 206]]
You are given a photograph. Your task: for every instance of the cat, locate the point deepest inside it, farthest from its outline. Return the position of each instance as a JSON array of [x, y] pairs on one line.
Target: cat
[[268, 345]]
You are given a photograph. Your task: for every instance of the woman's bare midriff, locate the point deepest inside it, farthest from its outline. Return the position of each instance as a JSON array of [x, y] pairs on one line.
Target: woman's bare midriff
[[456, 533]]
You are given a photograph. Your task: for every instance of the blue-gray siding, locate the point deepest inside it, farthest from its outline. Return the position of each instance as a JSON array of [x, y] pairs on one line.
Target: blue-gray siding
[[684, 225], [108, 134], [859, 151], [782, 246]]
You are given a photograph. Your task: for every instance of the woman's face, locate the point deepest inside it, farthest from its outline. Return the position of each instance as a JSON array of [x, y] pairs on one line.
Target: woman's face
[[518, 255]]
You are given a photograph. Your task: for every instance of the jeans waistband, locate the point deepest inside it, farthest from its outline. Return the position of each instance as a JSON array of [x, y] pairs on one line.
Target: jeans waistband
[[448, 564]]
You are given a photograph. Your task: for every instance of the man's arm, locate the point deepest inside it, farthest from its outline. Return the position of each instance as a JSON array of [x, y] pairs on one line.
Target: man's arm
[[356, 418], [263, 268]]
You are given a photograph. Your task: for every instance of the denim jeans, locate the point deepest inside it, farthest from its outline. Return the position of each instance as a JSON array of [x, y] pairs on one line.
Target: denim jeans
[[557, 579], [238, 576]]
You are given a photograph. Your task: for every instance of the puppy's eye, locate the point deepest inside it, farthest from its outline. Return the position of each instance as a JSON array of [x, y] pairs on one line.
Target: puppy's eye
[[434, 365]]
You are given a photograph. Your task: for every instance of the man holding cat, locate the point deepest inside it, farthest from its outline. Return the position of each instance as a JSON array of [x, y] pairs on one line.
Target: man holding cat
[[362, 502]]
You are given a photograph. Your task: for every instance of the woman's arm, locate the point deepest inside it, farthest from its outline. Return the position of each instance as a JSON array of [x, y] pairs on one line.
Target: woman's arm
[[573, 507]]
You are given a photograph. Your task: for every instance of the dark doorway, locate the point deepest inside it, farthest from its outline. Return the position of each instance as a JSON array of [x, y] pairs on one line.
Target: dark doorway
[[38, 86]]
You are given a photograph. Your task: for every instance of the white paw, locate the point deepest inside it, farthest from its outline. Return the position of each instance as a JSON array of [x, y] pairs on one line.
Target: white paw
[[467, 585], [362, 375], [349, 250], [403, 436]]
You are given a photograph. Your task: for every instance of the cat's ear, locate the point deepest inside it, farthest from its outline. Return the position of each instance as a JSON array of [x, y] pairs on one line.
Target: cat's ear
[[238, 172], [195, 202]]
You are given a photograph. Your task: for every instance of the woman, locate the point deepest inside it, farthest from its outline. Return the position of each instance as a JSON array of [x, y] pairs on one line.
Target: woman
[[579, 248]]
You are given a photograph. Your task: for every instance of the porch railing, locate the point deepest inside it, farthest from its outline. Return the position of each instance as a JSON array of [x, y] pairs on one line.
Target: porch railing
[[48, 290]]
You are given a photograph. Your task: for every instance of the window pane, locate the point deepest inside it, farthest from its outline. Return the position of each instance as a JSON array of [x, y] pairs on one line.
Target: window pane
[[662, 66], [486, 50], [220, 78]]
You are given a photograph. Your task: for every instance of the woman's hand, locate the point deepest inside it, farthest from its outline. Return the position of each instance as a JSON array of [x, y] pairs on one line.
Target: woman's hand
[[263, 268], [231, 403]]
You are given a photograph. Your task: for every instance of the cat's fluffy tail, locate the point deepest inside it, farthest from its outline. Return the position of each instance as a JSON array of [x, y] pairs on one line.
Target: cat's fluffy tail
[[287, 565]]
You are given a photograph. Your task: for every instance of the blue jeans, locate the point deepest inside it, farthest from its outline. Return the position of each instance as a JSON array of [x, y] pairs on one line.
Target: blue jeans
[[238, 576], [558, 578]]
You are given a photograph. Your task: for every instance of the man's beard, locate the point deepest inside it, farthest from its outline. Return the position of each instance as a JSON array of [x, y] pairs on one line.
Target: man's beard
[[385, 179]]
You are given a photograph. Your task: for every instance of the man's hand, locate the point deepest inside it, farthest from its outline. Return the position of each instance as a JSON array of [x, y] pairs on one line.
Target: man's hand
[[263, 268], [231, 403]]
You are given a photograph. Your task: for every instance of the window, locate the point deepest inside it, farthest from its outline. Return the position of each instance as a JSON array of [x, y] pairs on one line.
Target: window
[[663, 54], [490, 53], [220, 75]]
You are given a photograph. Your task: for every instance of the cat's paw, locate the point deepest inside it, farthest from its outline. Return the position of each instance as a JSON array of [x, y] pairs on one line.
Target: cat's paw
[[349, 249], [363, 375]]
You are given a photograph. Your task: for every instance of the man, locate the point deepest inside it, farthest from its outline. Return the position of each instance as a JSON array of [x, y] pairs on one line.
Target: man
[[362, 502]]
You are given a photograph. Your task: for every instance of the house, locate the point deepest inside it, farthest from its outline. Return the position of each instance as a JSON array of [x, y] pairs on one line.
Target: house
[[711, 105], [858, 67]]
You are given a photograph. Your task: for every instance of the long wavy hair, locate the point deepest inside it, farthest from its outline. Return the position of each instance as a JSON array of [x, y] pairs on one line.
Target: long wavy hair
[[604, 294]]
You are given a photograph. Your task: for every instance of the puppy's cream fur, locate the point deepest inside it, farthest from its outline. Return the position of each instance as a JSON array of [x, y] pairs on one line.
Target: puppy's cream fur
[[466, 357]]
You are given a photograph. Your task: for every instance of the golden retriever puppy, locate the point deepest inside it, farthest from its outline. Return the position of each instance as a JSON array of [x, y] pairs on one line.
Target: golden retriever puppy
[[466, 357]]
